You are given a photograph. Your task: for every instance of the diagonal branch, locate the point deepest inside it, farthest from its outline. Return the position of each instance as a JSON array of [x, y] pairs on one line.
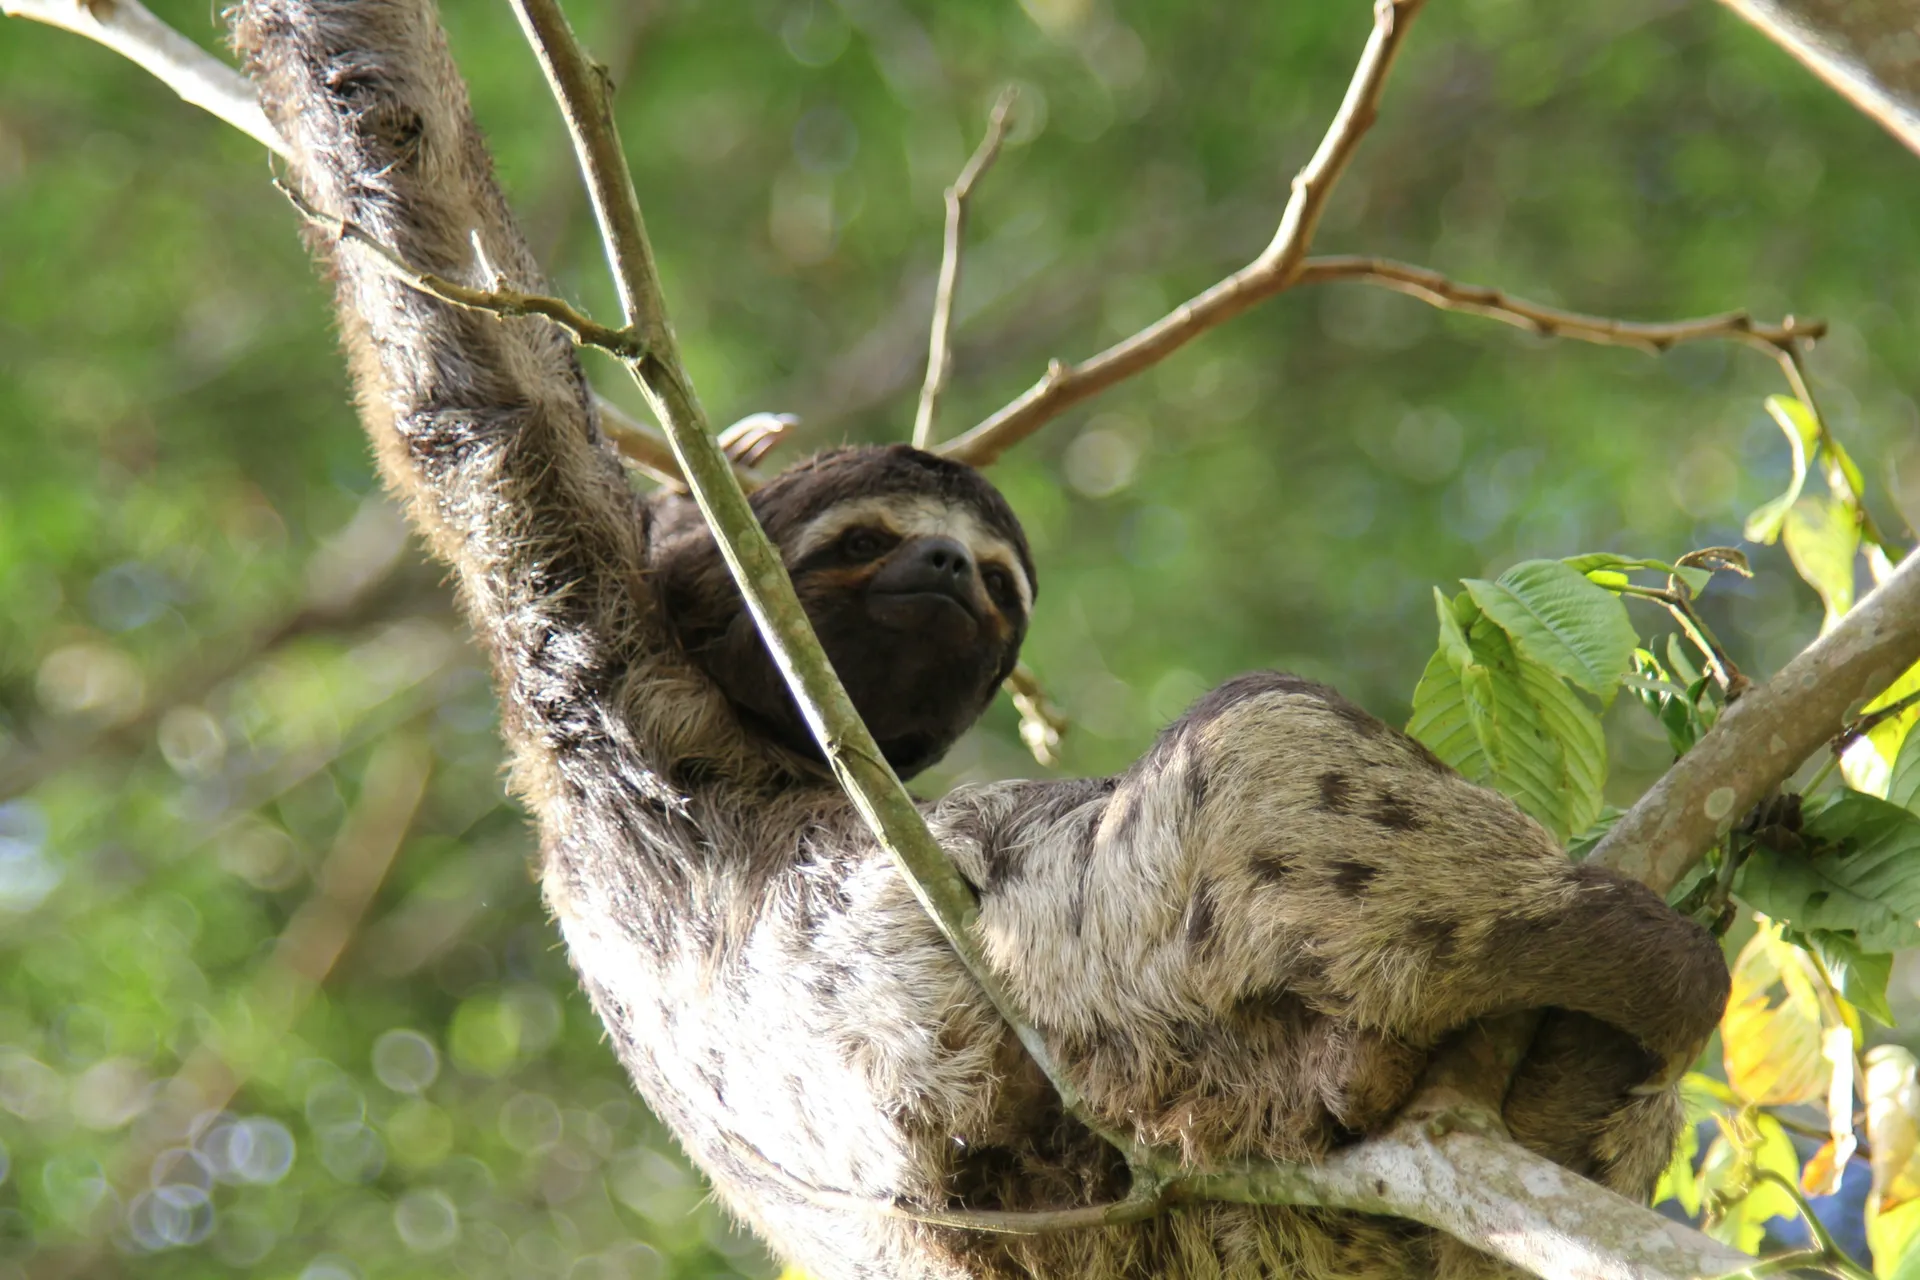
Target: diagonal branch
[[1761, 739], [939, 339], [1864, 51], [129, 29], [756, 567], [1272, 272]]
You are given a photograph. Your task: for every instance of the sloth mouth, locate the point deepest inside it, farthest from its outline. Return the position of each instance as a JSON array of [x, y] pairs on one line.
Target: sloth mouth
[[923, 611]]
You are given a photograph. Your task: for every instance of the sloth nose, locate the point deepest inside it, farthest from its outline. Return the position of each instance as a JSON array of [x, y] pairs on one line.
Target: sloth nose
[[931, 565], [942, 558]]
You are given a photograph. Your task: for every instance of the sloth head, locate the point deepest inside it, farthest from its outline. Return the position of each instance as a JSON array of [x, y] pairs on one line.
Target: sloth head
[[916, 577]]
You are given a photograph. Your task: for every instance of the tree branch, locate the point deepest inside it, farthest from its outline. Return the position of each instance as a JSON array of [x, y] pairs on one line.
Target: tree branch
[[129, 29], [939, 338], [1270, 273], [1761, 739], [1864, 51], [1439, 291]]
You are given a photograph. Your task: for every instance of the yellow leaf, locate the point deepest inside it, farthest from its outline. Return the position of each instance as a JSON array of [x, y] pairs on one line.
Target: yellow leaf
[[1821, 1174], [1771, 1034], [1893, 1125], [1724, 1172]]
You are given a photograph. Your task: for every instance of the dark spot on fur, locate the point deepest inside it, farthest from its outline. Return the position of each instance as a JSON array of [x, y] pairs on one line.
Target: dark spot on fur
[[1395, 814], [1271, 866], [1200, 917], [1438, 935], [1351, 877], [1336, 791]]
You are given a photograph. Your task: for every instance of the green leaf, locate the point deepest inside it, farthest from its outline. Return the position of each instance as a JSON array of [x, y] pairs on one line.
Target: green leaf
[[1803, 436], [1861, 975], [1536, 742], [1868, 885], [1561, 621], [1822, 536]]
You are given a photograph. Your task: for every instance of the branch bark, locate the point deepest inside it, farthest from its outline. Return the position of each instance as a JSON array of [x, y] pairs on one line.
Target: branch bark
[[1762, 738]]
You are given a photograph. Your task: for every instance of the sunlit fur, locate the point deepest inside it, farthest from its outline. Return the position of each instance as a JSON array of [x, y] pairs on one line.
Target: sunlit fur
[[1247, 943]]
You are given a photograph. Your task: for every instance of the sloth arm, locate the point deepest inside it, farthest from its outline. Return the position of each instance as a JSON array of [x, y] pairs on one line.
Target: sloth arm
[[1278, 840], [483, 426]]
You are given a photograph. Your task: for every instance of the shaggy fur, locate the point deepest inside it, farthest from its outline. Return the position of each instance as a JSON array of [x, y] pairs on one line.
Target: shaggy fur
[[1247, 944]]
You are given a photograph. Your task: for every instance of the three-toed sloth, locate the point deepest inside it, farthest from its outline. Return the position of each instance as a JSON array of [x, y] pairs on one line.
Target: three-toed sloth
[[1248, 944]]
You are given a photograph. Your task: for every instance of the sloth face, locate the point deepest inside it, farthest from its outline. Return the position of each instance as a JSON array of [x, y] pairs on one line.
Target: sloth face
[[916, 577]]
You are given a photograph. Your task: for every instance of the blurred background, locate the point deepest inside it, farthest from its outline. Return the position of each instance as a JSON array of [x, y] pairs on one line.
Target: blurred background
[[253, 841]]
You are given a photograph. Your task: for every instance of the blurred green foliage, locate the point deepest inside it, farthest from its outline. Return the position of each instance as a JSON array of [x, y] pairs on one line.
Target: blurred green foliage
[[214, 636]]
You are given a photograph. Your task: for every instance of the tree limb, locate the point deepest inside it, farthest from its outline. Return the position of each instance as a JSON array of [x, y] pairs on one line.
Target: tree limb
[[939, 338], [129, 29], [1864, 50], [1761, 739]]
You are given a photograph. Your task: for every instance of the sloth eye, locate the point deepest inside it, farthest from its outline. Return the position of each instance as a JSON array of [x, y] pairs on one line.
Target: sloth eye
[[865, 544], [1000, 586]]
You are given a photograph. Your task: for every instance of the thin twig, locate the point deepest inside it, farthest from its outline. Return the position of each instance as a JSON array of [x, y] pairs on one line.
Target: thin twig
[[1272, 272], [939, 338], [1440, 291], [1041, 723], [503, 303], [129, 29], [1833, 1257], [1680, 604], [1872, 720]]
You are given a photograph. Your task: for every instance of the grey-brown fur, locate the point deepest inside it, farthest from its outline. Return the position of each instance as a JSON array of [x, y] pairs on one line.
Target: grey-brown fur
[[1246, 944]]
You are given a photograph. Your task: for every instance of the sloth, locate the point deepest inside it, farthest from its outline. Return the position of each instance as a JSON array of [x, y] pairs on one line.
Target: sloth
[[1247, 945]]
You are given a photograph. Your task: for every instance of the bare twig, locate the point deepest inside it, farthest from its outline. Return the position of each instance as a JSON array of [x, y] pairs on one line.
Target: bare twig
[[129, 29], [1273, 271], [1865, 52], [1041, 724], [939, 338], [584, 330], [1680, 604], [1760, 740], [1438, 290], [1857, 729]]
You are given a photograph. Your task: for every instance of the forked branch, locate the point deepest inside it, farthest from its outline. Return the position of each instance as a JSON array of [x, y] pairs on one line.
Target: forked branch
[[1273, 271]]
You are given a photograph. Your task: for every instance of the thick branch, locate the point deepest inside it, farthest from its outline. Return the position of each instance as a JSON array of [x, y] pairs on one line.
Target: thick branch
[[1761, 739], [1863, 49], [939, 337], [1270, 273]]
